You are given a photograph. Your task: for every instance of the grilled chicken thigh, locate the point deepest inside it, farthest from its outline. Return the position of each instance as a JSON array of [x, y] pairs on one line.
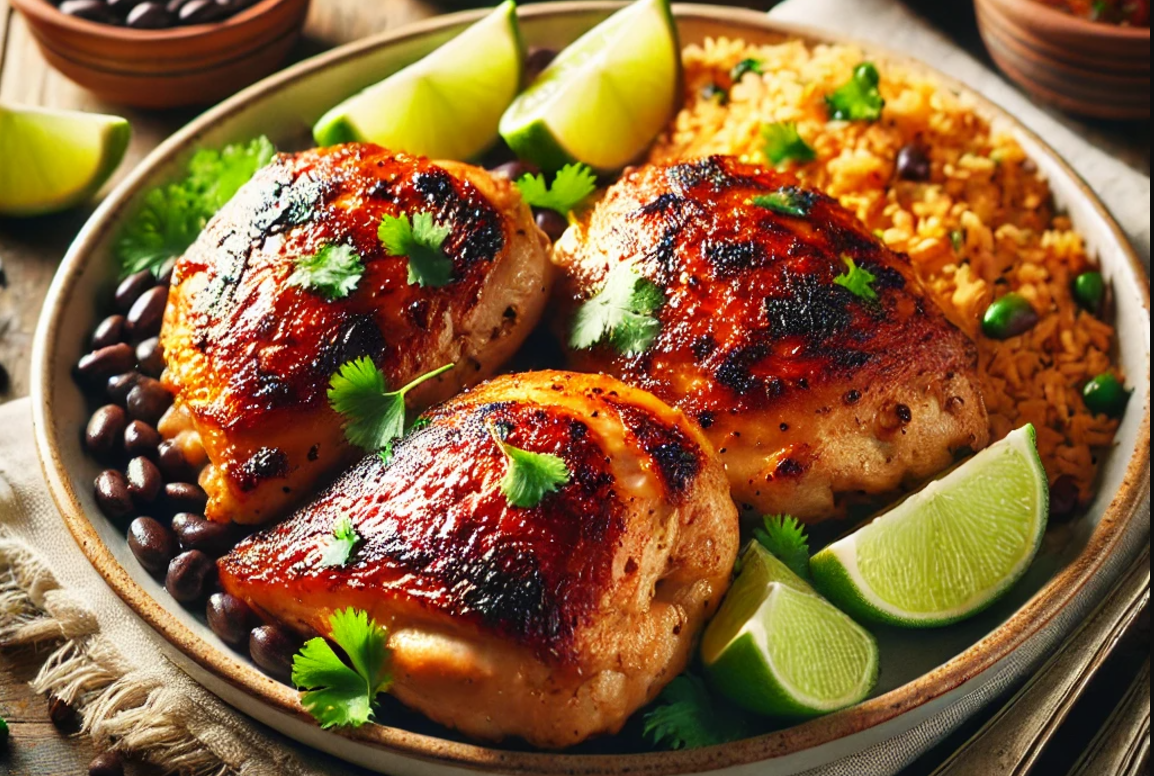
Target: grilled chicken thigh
[[551, 623], [250, 354], [816, 395]]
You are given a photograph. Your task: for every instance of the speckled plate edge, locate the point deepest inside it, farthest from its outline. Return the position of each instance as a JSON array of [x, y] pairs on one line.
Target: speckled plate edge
[[258, 693]]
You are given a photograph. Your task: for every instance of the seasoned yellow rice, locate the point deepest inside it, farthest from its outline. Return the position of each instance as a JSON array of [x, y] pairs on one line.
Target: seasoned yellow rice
[[982, 226]]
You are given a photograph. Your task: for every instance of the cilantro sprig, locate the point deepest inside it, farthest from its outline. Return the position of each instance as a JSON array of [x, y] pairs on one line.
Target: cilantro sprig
[[783, 143], [530, 476], [749, 65], [785, 537], [621, 313], [571, 186], [788, 200], [374, 415], [420, 239], [342, 544], [336, 694], [333, 271], [857, 280], [858, 99], [687, 717], [171, 217]]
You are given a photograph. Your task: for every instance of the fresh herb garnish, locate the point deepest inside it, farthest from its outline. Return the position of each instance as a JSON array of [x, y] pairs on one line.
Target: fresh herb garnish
[[342, 544], [333, 271], [857, 280], [783, 143], [784, 536], [788, 200], [171, 217], [749, 65], [622, 313], [374, 416], [712, 91], [957, 239], [531, 476], [858, 99], [335, 694], [420, 240], [687, 717], [572, 185]]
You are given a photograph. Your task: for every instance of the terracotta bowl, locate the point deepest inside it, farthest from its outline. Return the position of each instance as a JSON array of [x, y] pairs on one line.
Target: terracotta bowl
[[1085, 67], [194, 65]]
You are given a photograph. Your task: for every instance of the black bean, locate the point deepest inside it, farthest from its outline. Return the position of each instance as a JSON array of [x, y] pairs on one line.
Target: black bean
[[3, 275], [1063, 498], [234, 6], [185, 497], [537, 60], [141, 439], [131, 288], [515, 169], [118, 386], [150, 357], [230, 618], [174, 6], [552, 223], [111, 489], [173, 465], [106, 362], [272, 648], [148, 400], [105, 431], [144, 481], [150, 16], [93, 10], [63, 715], [5, 380], [195, 532], [164, 274], [106, 764], [201, 12], [122, 7], [188, 575], [108, 332], [913, 163], [153, 545], [147, 314]]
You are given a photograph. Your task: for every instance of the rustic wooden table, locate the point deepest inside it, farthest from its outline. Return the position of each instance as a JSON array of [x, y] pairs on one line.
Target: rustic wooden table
[[30, 250]]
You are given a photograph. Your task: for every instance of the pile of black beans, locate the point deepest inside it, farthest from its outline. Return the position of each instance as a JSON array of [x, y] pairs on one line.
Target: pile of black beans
[[148, 486], [153, 15]]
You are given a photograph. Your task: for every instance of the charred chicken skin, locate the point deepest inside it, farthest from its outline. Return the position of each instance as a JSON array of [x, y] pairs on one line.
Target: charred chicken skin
[[818, 389], [250, 354], [551, 623]]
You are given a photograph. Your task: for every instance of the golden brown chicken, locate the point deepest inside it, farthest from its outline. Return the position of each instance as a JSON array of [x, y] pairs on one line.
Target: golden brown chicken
[[552, 623], [820, 382], [250, 353]]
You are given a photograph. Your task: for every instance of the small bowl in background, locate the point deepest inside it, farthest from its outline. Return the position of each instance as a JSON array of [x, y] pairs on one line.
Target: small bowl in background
[[1082, 66], [167, 68]]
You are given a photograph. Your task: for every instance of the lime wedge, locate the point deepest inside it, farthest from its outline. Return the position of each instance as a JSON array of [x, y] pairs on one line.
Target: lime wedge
[[778, 648], [949, 550], [605, 97], [445, 106], [51, 159]]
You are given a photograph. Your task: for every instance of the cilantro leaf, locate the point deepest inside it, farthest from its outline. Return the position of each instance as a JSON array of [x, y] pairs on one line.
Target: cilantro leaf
[[420, 240], [788, 200], [335, 694], [344, 541], [687, 717], [858, 99], [783, 143], [857, 280], [622, 313], [785, 537], [171, 217], [333, 271], [531, 476], [572, 185], [716, 93], [749, 65], [374, 416]]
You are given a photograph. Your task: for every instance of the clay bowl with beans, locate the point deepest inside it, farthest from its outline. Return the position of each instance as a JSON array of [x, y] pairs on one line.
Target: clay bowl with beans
[[164, 53]]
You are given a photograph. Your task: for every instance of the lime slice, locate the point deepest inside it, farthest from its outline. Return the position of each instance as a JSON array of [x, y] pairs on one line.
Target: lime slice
[[445, 106], [55, 159], [778, 648], [949, 550], [605, 97]]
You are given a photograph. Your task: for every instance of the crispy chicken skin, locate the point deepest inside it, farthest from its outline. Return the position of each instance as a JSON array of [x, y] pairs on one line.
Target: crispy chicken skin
[[552, 623], [250, 356], [814, 397]]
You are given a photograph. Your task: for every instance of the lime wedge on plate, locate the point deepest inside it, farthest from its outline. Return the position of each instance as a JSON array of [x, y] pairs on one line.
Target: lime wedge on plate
[[949, 550], [51, 160], [605, 97], [778, 648], [444, 106]]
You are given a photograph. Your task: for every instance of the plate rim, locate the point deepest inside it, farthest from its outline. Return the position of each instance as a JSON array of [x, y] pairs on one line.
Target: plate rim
[[970, 663]]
